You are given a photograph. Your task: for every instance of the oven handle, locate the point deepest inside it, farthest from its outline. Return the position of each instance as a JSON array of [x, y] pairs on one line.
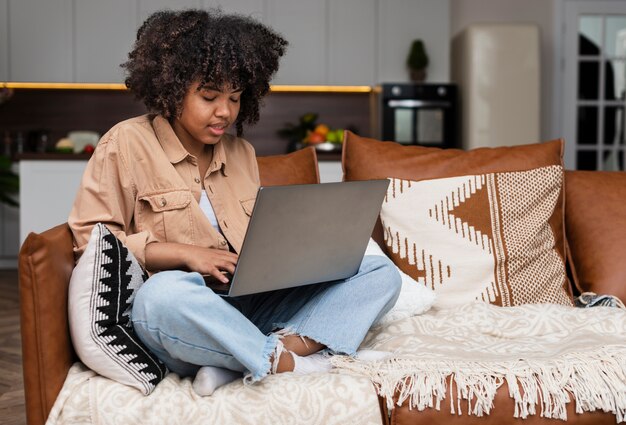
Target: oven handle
[[412, 103]]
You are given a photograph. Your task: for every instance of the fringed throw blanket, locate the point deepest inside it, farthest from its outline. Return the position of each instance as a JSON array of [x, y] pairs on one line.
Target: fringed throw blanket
[[548, 355]]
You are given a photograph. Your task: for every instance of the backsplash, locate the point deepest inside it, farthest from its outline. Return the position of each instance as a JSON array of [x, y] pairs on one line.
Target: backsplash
[[29, 111]]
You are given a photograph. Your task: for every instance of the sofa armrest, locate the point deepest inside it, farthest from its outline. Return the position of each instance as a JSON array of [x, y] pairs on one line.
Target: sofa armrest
[[46, 262]]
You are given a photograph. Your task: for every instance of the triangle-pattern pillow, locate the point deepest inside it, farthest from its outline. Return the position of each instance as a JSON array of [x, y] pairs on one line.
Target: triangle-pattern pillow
[[101, 292], [484, 237]]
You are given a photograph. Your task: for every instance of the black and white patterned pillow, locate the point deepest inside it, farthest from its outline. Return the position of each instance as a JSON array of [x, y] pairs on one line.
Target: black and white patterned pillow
[[101, 293]]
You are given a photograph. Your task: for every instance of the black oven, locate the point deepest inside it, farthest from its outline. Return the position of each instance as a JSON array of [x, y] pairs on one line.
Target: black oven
[[419, 114]]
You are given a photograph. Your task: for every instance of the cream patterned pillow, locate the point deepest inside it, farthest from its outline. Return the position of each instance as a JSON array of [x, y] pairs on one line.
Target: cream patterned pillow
[[479, 237]]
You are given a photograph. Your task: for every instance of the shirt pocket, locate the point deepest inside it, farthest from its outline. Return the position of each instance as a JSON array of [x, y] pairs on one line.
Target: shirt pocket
[[248, 205], [168, 215]]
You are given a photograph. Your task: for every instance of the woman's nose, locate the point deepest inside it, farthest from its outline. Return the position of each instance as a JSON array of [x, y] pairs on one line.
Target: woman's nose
[[222, 109]]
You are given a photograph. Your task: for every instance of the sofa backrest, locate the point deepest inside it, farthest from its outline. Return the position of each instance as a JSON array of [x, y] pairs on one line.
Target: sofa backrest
[[46, 261], [595, 226], [299, 167]]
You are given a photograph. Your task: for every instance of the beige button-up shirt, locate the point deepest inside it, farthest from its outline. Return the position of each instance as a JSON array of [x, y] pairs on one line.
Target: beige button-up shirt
[[145, 187]]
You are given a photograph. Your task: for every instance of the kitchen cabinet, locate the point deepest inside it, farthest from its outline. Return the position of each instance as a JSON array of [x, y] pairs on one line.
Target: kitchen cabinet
[[4, 40], [147, 7], [9, 233], [330, 171], [254, 8], [104, 34], [47, 192], [9, 236], [331, 42], [40, 40], [303, 24], [352, 47], [402, 21]]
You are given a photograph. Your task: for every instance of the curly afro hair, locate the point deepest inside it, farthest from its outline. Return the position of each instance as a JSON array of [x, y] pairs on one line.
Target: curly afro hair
[[175, 49]]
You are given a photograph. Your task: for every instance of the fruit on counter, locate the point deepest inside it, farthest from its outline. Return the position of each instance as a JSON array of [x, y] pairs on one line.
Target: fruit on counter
[[314, 138], [64, 145], [89, 148], [309, 132], [323, 133], [322, 129], [335, 136]]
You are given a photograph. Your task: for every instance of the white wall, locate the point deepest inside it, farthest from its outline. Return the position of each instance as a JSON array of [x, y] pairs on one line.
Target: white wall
[[539, 12]]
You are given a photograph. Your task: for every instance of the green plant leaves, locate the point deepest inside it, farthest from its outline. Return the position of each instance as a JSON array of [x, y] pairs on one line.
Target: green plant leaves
[[298, 131]]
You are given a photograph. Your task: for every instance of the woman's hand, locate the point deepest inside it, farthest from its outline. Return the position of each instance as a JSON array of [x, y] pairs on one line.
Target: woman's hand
[[214, 262], [206, 261]]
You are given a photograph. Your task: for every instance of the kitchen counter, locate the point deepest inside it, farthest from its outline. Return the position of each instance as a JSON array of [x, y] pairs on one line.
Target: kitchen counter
[[328, 156], [50, 156]]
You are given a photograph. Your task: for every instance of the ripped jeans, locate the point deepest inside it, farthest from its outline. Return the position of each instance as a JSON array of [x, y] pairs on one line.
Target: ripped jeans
[[187, 325]]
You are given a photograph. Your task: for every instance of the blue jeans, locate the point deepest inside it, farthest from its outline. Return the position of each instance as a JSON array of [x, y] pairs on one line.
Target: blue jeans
[[187, 325]]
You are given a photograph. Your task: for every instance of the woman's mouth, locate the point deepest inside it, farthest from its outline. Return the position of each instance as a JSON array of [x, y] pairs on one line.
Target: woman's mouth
[[218, 129]]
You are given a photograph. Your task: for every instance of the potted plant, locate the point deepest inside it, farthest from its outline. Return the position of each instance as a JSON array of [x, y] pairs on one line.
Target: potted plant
[[295, 133], [417, 61], [9, 182]]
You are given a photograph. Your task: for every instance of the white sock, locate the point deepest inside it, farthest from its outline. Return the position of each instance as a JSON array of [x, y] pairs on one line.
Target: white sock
[[372, 355], [316, 362], [210, 378]]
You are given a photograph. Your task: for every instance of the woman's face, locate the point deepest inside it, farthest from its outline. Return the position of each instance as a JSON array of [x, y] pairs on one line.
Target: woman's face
[[207, 112]]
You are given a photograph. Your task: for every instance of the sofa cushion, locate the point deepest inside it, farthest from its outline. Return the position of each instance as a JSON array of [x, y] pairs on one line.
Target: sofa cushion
[[595, 225], [299, 167], [101, 292], [485, 224], [414, 298]]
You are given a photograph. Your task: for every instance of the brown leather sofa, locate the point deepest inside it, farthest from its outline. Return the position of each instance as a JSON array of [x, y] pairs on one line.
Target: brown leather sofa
[[46, 262]]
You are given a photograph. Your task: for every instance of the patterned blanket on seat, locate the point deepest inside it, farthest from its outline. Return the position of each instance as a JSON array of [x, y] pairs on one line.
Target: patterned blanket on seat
[[549, 356], [330, 398]]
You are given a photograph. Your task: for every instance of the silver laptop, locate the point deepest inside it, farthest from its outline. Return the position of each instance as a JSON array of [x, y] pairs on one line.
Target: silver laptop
[[305, 234]]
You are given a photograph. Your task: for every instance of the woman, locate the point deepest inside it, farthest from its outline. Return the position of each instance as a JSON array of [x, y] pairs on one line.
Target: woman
[[177, 189]]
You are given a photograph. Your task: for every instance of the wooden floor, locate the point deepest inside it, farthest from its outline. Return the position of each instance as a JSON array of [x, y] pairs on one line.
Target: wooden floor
[[11, 384]]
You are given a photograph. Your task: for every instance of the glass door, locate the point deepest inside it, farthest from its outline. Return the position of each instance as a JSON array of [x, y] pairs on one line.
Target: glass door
[[595, 85], [416, 122]]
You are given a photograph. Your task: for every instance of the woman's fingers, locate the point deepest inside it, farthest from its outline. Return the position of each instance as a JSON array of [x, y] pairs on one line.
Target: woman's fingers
[[219, 275], [216, 263], [227, 261], [228, 266]]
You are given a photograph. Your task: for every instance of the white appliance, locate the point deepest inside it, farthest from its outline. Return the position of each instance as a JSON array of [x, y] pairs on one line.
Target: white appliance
[[497, 68]]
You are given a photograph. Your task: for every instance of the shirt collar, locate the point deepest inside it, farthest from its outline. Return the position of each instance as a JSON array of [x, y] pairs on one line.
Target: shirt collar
[[172, 147], [219, 155], [175, 151]]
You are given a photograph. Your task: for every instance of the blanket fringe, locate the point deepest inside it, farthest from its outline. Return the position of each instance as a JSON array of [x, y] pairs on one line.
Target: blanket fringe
[[596, 380]]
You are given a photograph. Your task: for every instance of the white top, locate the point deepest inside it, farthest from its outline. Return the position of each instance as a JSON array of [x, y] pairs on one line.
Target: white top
[[207, 209]]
